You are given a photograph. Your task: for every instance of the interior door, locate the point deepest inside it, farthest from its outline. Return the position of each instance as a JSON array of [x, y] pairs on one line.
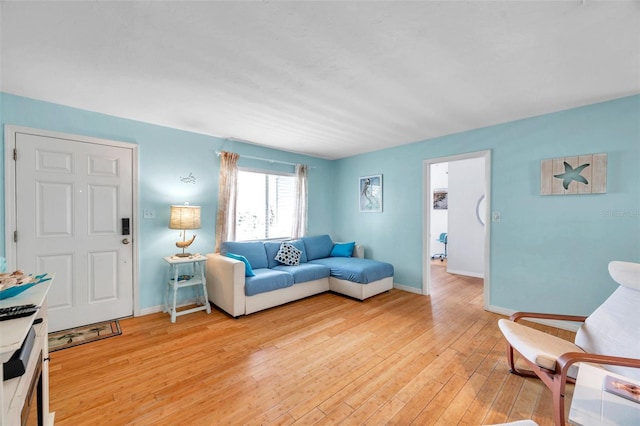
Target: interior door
[[71, 197]]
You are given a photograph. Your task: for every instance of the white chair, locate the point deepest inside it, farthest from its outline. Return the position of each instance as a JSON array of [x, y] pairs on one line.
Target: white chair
[[610, 337]]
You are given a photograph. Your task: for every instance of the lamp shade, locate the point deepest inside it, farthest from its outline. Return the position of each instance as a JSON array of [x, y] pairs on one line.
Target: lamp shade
[[184, 217]]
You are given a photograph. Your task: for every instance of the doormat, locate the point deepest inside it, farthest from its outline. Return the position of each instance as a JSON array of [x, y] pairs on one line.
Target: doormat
[[85, 334]]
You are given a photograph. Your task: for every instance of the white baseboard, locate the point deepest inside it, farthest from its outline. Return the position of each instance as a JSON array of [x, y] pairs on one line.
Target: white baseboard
[[151, 310], [466, 273], [563, 325], [407, 288], [159, 308]]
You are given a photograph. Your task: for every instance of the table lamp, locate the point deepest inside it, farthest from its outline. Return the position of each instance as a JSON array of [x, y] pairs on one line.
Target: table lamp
[[183, 218]]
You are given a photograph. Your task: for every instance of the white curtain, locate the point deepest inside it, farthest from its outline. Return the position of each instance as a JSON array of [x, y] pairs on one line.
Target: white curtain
[[227, 195], [299, 228]]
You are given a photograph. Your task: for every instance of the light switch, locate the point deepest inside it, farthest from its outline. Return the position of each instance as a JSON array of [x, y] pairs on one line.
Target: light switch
[[149, 214], [496, 216]]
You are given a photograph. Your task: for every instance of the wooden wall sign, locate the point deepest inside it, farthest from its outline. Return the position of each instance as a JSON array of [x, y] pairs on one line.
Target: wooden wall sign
[[582, 174]]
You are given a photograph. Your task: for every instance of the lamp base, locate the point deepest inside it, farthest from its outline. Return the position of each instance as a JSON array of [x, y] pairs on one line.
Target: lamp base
[[184, 244]]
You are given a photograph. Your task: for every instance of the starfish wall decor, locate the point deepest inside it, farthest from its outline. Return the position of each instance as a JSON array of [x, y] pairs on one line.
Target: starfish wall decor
[[570, 174], [583, 174]]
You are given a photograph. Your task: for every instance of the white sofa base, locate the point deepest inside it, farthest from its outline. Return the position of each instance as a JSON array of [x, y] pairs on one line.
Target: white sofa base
[[225, 288], [261, 301], [360, 291]]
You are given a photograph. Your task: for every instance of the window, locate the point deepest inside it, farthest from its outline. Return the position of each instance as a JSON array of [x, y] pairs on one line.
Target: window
[[265, 205]]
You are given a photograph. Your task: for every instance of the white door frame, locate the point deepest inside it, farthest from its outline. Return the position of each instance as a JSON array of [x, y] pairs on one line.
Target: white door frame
[[426, 218], [11, 248]]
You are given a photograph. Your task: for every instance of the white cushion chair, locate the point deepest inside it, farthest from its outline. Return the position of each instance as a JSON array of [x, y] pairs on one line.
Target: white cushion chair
[[610, 337]]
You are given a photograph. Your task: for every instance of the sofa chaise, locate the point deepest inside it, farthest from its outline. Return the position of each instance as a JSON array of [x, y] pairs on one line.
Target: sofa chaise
[[247, 277]]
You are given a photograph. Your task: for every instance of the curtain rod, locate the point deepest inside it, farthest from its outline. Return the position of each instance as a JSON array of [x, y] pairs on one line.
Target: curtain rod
[[251, 157]]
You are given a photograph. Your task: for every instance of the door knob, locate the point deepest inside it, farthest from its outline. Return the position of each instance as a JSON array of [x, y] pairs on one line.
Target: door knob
[[125, 241]]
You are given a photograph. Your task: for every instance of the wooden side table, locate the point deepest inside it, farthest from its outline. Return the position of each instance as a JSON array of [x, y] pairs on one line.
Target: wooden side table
[[593, 406], [186, 272]]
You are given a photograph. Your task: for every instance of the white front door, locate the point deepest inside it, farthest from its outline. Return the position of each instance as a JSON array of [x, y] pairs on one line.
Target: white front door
[[70, 199]]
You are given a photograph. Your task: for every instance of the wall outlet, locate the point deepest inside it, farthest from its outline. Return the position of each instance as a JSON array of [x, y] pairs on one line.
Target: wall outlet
[[496, 216], [149, 214]]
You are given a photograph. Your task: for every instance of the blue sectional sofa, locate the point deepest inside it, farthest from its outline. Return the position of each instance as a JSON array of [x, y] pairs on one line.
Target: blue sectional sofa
[[246, 277]]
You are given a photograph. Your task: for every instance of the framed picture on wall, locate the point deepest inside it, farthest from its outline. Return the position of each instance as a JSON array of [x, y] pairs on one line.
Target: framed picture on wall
[[440, 199], [370, 193]]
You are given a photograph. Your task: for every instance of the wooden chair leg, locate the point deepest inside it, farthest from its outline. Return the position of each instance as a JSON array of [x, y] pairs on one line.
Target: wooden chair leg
[[510, 359], [557, 392], [512, 365]]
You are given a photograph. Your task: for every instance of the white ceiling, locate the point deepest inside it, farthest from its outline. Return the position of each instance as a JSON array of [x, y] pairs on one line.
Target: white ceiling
[[328, 79]]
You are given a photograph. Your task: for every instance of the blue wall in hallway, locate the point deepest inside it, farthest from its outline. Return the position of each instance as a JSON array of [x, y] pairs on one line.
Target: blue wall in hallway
[[548, 253]]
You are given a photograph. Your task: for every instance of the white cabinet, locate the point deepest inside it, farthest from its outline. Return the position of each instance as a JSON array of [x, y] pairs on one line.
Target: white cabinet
[[18, 393]]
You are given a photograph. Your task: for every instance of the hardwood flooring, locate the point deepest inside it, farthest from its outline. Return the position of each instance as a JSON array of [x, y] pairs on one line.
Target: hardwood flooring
[[397, 358]]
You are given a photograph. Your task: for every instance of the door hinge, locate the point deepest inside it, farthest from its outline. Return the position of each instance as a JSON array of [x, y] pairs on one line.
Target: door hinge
[[15, 154], [15, 236]]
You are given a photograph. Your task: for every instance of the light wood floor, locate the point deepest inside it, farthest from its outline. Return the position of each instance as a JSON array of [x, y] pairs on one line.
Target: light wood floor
[[397, 358]]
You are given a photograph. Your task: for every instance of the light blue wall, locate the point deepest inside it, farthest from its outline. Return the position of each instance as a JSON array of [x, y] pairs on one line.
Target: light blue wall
[[164, 156], [548, 253]]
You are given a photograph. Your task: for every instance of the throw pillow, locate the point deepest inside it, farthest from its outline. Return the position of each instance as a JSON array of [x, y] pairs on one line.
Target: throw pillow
[[343, 249], [317, 247], [299, 244], [288, 254], [248, 271]]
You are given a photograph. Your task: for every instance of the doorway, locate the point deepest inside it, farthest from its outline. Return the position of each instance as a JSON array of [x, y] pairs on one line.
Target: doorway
[[70, 206], [481, 206]]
